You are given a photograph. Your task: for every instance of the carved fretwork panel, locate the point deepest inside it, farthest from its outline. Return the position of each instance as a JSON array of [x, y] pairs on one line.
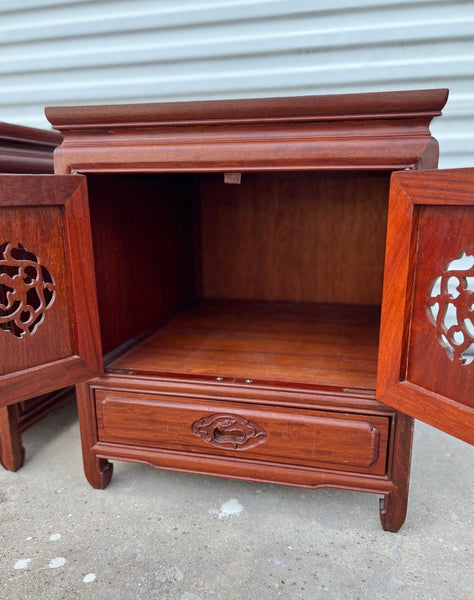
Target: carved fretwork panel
[[48, 315], [27, 290], [451, 308], [426, 352], [440, 356], [35, 315]]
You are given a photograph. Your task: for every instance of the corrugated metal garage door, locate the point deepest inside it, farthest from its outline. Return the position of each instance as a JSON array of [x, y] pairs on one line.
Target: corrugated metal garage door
[[86, 52]]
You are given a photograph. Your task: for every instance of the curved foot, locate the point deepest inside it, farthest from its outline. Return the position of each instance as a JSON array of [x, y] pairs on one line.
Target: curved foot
[[99, 472], [393, 511]]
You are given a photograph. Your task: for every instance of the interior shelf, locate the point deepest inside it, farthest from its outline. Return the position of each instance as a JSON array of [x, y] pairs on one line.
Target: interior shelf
[[311, 344]]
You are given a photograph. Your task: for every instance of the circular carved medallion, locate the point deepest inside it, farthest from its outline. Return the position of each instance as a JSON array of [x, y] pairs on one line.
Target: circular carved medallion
[[27, 290], [450, 308]]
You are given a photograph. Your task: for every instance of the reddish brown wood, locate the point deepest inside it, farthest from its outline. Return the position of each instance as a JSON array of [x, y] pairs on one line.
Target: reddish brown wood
[[49, 216], [26, 149], [319, 345], [145, 413], [97, 470], [143, 251], [12, 452], [309, 232], [430, 223], [266, 238], [356, 131], [16, 418], [297, 436], [32, 410], [393, 506], [393, 105]]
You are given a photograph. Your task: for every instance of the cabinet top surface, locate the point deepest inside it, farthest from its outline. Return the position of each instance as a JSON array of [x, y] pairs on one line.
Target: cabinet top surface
[[383, 130], [377, 105], [19, 134]]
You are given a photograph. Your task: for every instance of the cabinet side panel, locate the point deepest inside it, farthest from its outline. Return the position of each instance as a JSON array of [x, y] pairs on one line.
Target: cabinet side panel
[[142, 236]]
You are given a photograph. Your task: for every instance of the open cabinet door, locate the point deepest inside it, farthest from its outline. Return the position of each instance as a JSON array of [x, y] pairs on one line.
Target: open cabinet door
[[49, 329], [426, 357]]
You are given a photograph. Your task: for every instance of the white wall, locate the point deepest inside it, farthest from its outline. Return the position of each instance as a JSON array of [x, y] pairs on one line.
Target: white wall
[[56, 52]]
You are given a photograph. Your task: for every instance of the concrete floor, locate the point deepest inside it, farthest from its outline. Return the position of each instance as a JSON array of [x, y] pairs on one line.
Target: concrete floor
[[155, 535]]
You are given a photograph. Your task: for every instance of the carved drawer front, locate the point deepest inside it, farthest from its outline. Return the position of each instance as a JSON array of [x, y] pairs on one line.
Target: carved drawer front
[[275, 434]]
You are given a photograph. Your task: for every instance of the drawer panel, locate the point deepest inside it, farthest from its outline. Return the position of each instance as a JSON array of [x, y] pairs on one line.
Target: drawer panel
[[311, 438]]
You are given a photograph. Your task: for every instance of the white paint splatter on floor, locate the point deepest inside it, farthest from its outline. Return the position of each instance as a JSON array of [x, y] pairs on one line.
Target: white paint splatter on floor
[[22, 563], [59, 561], [231, 508], [54, 537], [273, 558], [89, 578]]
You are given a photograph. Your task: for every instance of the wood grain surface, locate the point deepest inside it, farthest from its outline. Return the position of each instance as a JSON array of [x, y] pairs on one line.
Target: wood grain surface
[[305, 238], [311, 344]]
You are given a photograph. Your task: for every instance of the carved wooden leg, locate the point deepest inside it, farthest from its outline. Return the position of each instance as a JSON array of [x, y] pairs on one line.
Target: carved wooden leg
[[393, 507], [12, 452], [97, 470], [393, 511]]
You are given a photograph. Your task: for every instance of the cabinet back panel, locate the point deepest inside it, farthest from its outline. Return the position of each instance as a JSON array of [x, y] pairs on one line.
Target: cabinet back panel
[[143, 244], [316, 237]]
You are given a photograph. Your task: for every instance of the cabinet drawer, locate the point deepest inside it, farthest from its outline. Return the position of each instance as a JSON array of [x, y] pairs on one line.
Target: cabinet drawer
[[303, 437]]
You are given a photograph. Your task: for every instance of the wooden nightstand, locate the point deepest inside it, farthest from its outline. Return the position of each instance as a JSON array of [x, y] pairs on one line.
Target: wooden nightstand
[[244, 275], [25, 150]]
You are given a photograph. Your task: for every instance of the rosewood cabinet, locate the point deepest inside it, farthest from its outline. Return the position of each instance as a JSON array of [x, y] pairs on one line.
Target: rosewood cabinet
[[271, 302], [25, 150]]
